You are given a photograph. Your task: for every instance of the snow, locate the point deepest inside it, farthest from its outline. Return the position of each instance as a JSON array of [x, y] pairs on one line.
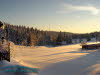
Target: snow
[[62, 60], [93, 43], [42, 56], [9, 68]]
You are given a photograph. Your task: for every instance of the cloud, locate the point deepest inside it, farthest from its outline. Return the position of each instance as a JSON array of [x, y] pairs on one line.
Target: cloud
[[68, 8]]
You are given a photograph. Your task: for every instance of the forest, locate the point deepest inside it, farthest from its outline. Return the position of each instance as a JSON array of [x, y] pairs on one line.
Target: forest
[[29, 36]]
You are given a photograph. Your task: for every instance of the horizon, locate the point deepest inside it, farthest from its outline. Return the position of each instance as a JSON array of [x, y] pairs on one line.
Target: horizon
[[54, 30], [53, 15]]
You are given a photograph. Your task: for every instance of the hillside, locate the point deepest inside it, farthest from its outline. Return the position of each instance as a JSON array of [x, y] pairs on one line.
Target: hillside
[[30, 36]]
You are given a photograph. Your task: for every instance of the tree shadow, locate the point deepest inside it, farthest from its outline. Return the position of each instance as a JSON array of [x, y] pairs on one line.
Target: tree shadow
[[80, 50], [76, 66], [6, 68]]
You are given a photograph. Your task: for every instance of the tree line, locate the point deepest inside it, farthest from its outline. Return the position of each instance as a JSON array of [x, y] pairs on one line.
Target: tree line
[[29, 36]]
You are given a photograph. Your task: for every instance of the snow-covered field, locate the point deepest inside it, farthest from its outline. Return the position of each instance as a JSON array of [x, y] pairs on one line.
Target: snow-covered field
[[41, 57], [62, 60]]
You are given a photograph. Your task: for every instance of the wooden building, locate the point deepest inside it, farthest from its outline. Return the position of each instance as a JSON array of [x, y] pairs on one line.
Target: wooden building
[[91, 46]]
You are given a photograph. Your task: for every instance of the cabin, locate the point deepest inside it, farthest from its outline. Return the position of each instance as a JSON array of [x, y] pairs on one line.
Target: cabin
[[91, 46]]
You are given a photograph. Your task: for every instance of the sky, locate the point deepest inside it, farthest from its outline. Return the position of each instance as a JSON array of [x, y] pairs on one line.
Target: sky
[[77, 16]]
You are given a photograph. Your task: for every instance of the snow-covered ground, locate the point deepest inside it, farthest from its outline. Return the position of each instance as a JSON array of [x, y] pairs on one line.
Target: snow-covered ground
[[62, 60], [41, 57]]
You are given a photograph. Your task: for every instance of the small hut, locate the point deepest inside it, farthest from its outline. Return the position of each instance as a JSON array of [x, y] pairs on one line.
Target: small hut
[[91, 46]]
